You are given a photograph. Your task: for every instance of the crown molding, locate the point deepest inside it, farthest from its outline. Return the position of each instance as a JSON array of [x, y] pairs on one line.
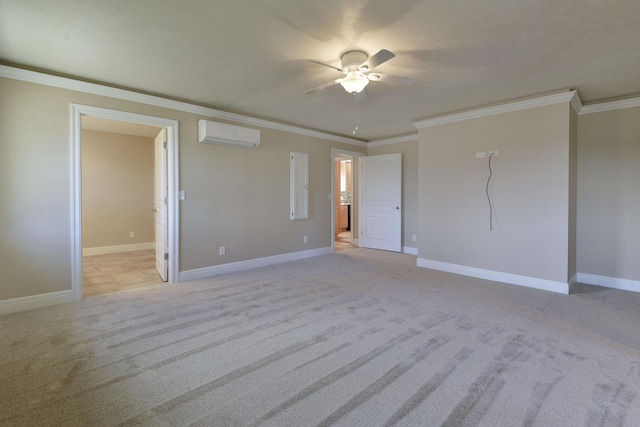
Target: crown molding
[[611, 105], [128, 95], [504, 108], [576, 103], [393, 140]]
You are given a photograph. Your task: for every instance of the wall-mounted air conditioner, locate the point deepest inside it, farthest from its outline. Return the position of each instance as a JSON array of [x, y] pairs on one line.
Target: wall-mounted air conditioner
[[221, 133]]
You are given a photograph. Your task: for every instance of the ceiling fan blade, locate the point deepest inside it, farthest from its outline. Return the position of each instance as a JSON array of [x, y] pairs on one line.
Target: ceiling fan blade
[[326, 65], [391, 79], [360, 96], [324, 86], [383, 56]]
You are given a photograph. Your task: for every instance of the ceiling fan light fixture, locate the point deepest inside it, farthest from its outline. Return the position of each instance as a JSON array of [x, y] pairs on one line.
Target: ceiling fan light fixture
[[356, 65], [354, 82]]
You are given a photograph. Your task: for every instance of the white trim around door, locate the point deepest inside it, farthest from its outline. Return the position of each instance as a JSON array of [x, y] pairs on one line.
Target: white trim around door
[[77, 111]]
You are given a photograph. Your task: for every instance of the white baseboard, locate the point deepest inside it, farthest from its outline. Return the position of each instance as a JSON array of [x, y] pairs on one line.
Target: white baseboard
[[497, 276], [609, 282], [409, 250], [118, 248], [216, 270], [35, 301]]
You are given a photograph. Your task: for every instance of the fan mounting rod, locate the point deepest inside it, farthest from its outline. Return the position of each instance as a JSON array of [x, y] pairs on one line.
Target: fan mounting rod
[[352, 60]]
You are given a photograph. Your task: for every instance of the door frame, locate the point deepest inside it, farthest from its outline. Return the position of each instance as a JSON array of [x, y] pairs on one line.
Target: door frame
[[160, 191], [77, 111], [335, 152]]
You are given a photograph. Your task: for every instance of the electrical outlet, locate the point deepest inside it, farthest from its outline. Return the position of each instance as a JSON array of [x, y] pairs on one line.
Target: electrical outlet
[[414, 238], [494, 153], [305, 240], [132, 234], [481, 154], [223, 250]]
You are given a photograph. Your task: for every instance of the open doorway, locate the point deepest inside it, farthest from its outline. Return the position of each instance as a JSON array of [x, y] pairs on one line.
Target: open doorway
[[115, 175], [343, 202], [344, 199], [118, 175]]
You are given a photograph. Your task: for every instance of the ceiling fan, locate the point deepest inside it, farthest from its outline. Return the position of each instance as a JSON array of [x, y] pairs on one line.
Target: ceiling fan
[[358, 66]]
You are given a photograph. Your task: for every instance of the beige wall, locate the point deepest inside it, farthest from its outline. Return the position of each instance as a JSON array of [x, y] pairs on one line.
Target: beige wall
[[240, 198], [235, 197], [35, 238], [530, 193], [608, 232], [117, 189], [409, 152]]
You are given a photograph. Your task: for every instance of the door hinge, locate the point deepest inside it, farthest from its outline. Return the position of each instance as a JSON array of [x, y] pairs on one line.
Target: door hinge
[[166, 255], [164, 145], [165, 201]]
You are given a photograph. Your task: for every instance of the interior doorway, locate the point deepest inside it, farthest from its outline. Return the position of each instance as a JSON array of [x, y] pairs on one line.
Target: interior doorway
[[344, 199], [136, 259], [118, 173]]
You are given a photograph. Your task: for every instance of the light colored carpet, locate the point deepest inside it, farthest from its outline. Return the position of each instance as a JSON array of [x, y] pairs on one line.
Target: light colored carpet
[[357, 338]]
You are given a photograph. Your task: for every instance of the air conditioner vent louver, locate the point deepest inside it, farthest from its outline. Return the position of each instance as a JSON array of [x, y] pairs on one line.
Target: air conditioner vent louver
[[224, 134]]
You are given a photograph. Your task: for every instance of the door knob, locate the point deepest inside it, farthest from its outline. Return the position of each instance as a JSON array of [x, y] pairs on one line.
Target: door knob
[[397, 207]]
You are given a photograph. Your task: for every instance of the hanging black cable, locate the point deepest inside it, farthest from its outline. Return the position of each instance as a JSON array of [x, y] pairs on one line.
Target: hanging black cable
[[489, 198]]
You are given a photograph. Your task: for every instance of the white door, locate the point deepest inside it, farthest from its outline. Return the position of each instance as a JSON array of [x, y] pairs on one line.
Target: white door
[[160, 201], [381, 201]]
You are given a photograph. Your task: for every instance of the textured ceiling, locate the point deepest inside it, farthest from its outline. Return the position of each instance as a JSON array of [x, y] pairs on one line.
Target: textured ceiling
[[251, 57]]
